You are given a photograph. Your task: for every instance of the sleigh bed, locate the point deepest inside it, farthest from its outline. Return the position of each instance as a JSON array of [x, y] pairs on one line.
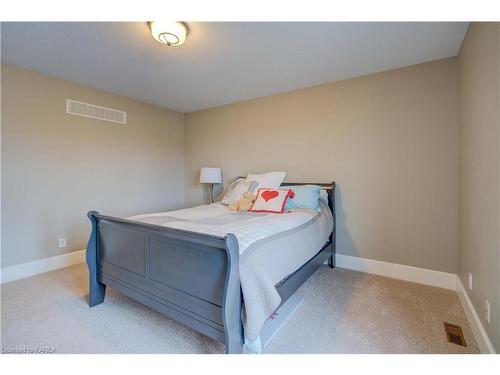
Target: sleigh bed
[[189, 276]]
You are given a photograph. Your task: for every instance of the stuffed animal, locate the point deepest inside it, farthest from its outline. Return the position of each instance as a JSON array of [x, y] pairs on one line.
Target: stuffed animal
[[244, 203]]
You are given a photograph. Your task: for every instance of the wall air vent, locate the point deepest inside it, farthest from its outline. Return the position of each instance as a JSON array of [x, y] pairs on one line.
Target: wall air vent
[[74, 107]]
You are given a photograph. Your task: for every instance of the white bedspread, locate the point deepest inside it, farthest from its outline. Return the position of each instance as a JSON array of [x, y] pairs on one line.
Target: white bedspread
[[218, 220], [267, 255]]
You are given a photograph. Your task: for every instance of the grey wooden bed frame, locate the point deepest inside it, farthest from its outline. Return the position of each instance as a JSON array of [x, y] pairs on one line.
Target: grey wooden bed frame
[[188, 276]]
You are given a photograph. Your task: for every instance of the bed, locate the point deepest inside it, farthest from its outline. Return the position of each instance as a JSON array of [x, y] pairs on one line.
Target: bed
[[211, 270]]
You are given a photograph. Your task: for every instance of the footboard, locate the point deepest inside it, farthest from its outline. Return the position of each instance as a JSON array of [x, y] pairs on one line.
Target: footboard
[[190, 277]]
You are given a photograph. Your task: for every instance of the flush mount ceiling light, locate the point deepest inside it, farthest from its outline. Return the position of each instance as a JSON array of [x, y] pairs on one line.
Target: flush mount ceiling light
[[169, 33]]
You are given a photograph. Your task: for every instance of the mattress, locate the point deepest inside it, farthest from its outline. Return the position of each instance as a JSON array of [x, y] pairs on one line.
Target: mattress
[[271, 246]]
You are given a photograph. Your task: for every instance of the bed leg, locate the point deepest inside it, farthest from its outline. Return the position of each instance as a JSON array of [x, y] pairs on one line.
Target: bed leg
[[97, 290], [331, 262], [97, 293]]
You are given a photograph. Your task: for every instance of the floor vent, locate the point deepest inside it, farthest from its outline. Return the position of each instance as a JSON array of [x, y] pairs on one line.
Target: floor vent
[[454, 334], [74, 107]]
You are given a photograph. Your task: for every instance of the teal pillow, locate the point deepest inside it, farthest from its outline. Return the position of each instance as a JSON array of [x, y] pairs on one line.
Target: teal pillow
[[305, 196]]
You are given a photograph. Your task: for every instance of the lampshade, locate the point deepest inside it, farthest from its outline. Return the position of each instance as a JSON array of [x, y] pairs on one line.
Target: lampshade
[[209, 175]]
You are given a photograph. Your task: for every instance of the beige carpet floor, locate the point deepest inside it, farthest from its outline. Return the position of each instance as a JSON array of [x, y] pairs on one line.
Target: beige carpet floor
[[344, 312]]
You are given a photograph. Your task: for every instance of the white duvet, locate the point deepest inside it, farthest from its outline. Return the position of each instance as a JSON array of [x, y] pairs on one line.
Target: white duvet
[[216, 219], [271, 247]]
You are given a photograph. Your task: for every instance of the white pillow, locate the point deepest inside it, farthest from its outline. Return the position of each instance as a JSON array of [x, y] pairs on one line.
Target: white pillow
[[236, 190], [270, 180]]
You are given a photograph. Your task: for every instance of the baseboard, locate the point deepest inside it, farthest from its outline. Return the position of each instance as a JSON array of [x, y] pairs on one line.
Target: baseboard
[[398, 271], [36, 267], [480, 335]]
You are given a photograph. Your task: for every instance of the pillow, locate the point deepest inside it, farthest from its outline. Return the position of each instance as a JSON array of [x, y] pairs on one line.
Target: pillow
[[271, 200], [305, 196], [271, 180], [323, 195], [236, 191]]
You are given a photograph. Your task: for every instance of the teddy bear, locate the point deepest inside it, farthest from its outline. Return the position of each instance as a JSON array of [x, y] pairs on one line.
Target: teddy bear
[[244, 203]]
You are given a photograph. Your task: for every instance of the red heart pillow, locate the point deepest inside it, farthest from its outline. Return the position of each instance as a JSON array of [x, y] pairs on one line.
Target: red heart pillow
[[271, 200], [269, 194]]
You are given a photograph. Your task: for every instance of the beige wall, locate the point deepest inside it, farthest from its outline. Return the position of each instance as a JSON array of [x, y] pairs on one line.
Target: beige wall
[[479, 170], [56, 167], [388, 139]]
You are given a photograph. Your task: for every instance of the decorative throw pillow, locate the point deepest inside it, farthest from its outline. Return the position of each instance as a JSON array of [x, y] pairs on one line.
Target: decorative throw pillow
[[236, 191], [271, 180], [306, 196], [323, 195], [271, 200]]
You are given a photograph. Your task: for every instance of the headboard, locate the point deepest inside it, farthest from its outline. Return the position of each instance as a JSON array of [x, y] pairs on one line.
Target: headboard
[[329, 187]]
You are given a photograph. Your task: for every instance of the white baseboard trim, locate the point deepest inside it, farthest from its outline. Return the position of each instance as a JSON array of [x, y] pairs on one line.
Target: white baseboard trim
[[36, 267], [398, 271], [480, 335]]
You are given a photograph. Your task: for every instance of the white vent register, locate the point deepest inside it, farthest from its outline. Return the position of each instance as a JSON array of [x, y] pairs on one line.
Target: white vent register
[[74, 107]]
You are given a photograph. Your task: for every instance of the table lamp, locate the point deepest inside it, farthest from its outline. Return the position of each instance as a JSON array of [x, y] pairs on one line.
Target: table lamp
[[210, 175]]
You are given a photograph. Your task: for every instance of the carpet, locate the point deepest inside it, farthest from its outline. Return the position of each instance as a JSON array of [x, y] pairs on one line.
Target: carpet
[[344, 311]]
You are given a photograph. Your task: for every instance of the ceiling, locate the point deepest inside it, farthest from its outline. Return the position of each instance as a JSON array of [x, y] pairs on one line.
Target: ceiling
[[222, 63]]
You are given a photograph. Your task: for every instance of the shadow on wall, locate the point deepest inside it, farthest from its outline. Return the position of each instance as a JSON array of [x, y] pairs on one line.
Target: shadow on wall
[[345, 244]]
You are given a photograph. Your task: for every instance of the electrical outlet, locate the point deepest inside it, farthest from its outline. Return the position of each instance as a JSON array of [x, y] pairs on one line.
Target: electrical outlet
[[62, 241], [487, 311], [470, 281]]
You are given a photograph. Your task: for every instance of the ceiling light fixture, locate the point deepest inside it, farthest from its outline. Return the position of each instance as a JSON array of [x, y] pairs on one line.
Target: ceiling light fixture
[[169, 33]]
